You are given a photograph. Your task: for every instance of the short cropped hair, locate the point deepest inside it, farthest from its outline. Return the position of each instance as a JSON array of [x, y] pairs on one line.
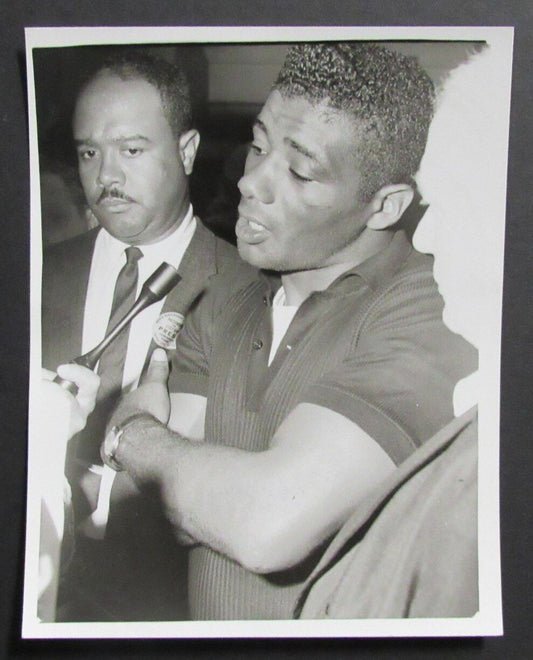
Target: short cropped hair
[[389, 96], [169, 80]]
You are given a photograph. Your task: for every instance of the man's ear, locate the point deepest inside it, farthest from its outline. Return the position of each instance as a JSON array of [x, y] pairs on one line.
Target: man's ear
[[188, 146], [389, 204]]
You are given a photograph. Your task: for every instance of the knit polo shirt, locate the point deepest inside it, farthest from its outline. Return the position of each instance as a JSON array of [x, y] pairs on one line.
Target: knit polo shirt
[[371, 347]]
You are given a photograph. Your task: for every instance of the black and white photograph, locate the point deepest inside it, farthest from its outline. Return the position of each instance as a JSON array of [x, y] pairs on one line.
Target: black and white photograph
[[266, 306]]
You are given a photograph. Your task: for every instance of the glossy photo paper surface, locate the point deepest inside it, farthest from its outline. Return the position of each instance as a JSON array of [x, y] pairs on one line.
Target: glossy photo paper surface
[[230, 73]]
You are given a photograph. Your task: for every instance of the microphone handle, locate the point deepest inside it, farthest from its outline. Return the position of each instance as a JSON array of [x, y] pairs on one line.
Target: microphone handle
[[90, 359], [162, 280]]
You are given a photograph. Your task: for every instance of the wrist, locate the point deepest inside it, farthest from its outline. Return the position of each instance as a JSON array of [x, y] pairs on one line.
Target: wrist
[[113, 445]]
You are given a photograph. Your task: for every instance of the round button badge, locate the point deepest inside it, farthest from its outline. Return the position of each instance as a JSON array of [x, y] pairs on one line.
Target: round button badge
[[166, 329]]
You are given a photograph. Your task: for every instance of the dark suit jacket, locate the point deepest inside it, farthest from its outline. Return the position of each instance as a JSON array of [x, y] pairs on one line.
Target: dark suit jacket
[[66, 269], [138, 571]]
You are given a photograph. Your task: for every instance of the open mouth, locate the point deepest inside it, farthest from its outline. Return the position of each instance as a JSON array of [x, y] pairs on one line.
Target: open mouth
[[250, 231]]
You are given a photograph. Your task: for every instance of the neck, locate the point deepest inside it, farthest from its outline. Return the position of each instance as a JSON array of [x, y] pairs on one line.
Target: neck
[[300, 284]]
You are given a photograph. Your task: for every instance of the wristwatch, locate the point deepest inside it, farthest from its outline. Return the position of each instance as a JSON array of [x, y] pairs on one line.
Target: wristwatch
[[113, 436]]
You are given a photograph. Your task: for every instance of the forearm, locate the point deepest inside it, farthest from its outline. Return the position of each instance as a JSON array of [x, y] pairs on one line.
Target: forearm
[[203, 488], [267, 510]]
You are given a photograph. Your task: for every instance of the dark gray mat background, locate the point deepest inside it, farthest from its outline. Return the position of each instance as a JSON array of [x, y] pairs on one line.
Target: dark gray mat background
[[517, 350]]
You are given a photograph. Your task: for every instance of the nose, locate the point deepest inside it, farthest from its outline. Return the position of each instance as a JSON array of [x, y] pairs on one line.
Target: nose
[[257, 180], [110, 172]]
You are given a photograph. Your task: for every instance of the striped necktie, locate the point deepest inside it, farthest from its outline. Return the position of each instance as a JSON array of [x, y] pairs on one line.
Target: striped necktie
[[111, 364]]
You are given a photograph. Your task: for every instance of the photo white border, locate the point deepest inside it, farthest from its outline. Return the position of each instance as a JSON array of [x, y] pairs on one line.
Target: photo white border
[[488, 621]]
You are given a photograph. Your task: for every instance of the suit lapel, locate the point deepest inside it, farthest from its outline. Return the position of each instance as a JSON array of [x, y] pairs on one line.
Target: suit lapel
[[65, 277], [80, 281], [197, 266]]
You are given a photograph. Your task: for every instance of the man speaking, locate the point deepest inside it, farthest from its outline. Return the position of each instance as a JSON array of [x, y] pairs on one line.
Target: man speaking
[[310, 394]]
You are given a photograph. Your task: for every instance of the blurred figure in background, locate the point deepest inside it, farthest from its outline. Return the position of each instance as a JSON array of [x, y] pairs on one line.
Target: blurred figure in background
[[61, 416], [410, 549]]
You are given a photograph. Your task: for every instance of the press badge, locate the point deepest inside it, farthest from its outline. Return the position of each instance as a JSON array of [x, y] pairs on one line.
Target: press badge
[[166, 329]]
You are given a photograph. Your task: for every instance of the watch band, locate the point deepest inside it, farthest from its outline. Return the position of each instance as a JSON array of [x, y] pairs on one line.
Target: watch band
[[117, 431]]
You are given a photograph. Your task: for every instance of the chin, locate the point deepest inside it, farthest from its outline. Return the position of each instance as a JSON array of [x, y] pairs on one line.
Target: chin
[[259, 258], [253, 255], [123, 230]]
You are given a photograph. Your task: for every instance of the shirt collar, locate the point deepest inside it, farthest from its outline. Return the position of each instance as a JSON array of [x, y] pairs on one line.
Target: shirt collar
[[380, 267], [376, 270], [170, 249]]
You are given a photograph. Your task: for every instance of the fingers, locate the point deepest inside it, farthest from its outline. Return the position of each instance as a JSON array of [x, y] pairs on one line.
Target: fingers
[[46, 374], [152, 394], [157, 371], [52, 392], [84, 378], [61, 404], [87, 382]]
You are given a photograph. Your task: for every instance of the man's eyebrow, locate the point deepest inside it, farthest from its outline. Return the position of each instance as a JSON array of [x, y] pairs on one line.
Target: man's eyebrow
[[120, 138], [321, 162], [301, 149], [293, 144], [131, 138], [82, 142]]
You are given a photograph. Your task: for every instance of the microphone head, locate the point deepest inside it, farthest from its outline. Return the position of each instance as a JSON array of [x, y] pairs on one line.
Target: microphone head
[[161, 281]]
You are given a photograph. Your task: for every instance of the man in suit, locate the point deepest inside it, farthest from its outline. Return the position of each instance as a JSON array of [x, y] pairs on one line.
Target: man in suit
[[136, 148]]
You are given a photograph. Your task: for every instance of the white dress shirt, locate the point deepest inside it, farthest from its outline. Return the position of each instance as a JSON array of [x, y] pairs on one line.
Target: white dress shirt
[[108, 259], [282, 315]]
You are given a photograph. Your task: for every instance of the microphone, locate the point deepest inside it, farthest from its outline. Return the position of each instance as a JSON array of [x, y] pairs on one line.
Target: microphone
[[156, 287]]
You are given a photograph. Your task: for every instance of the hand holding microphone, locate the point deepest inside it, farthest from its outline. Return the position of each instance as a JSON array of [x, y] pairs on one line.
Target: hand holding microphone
[[80, 406], [156, 287]]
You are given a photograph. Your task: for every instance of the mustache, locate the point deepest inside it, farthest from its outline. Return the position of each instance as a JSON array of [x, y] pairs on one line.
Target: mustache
[[114, 193]]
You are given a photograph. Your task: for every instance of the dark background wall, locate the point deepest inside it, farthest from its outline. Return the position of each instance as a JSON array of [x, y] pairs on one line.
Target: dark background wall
[[517, 350]]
